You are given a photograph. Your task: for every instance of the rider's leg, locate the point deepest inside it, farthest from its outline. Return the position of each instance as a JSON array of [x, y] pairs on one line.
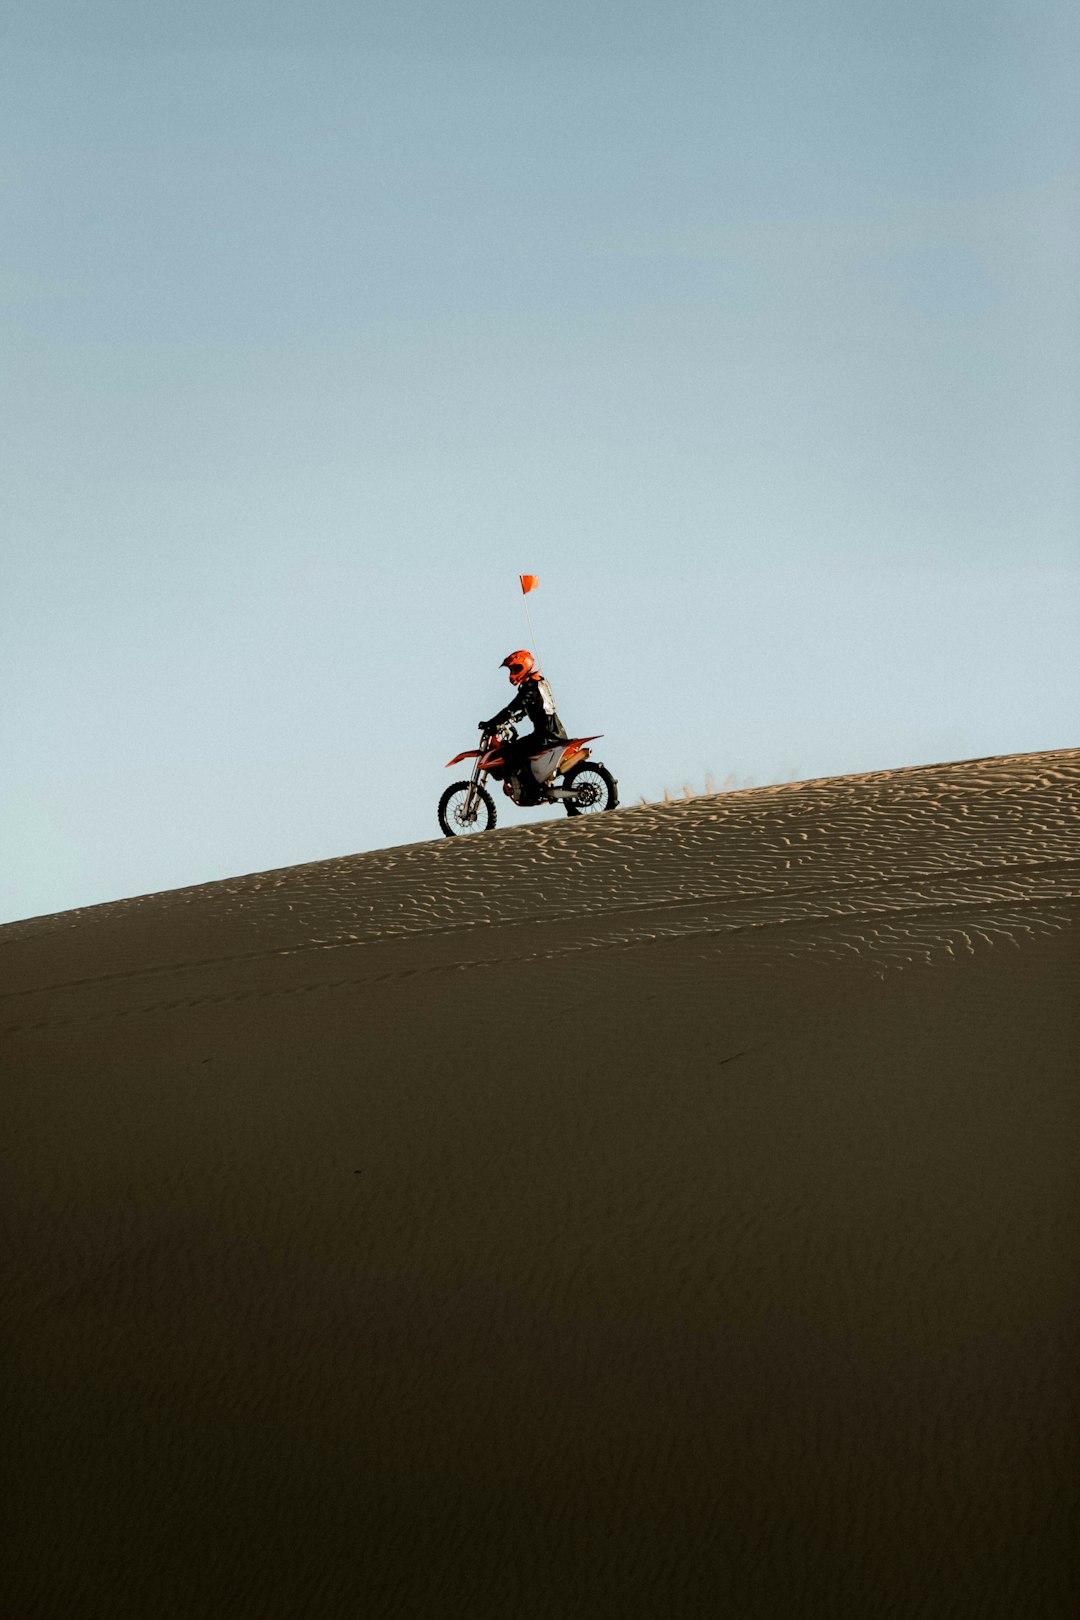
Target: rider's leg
[[522, 764]]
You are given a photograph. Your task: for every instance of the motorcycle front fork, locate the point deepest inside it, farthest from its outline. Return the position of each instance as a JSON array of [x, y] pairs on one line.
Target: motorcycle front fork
[[471, 798]]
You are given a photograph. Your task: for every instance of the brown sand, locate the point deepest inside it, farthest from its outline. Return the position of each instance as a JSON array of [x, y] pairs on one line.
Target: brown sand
[[754, 1294]]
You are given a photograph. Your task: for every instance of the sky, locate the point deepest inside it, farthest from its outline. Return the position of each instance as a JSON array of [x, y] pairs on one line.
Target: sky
[[752, 330]]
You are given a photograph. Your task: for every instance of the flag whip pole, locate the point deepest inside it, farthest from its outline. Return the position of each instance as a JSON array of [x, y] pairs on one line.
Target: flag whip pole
[[529, 583]]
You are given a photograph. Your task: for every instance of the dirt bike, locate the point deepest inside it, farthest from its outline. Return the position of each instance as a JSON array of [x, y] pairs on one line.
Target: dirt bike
[[467, 807]]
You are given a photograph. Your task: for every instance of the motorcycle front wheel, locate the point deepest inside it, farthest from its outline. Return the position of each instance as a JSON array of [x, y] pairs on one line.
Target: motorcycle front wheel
[[452, 810], [594, 789]]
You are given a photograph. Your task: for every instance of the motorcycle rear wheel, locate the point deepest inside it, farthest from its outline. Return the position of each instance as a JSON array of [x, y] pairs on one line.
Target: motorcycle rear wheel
[[594, 789], [452, 810]]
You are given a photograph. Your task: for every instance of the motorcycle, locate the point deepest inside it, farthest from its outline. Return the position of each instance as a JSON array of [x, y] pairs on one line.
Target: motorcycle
[[587, 787]]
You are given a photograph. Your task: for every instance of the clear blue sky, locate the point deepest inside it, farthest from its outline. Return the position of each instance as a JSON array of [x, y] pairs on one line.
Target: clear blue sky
[[752, 329]]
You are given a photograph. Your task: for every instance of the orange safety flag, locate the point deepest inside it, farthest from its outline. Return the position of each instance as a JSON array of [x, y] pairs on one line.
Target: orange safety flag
[[529, 582]]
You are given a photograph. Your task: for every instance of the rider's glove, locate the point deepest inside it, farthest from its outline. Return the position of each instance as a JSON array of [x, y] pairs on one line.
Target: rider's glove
[[484, 725]]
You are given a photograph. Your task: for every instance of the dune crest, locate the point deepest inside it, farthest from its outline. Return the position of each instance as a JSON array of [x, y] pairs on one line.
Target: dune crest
[[890, 867]]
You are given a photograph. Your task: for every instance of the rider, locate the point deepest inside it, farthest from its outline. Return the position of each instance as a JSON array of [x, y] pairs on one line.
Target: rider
[[533, 701]]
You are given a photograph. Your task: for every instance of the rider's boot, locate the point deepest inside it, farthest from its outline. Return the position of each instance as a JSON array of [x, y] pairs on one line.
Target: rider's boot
[[531, 790]]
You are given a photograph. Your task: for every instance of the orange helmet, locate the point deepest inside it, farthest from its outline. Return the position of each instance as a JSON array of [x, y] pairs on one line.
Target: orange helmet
[[520, 664]]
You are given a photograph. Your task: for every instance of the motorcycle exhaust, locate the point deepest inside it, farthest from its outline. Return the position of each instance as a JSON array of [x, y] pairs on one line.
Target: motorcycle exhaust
[[573, 759]]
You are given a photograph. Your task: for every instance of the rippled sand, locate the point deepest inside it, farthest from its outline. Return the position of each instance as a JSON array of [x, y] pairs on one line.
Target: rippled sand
[[744, 1283]]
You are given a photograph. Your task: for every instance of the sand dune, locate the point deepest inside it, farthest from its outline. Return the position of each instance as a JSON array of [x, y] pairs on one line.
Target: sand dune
[[746, 1284]]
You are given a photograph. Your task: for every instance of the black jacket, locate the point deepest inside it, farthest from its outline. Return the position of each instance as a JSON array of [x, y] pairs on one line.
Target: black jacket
[[533, 702]]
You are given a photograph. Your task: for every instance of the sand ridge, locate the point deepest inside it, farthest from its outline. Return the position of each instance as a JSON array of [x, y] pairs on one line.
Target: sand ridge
[[669, 1214], [890, 866]]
